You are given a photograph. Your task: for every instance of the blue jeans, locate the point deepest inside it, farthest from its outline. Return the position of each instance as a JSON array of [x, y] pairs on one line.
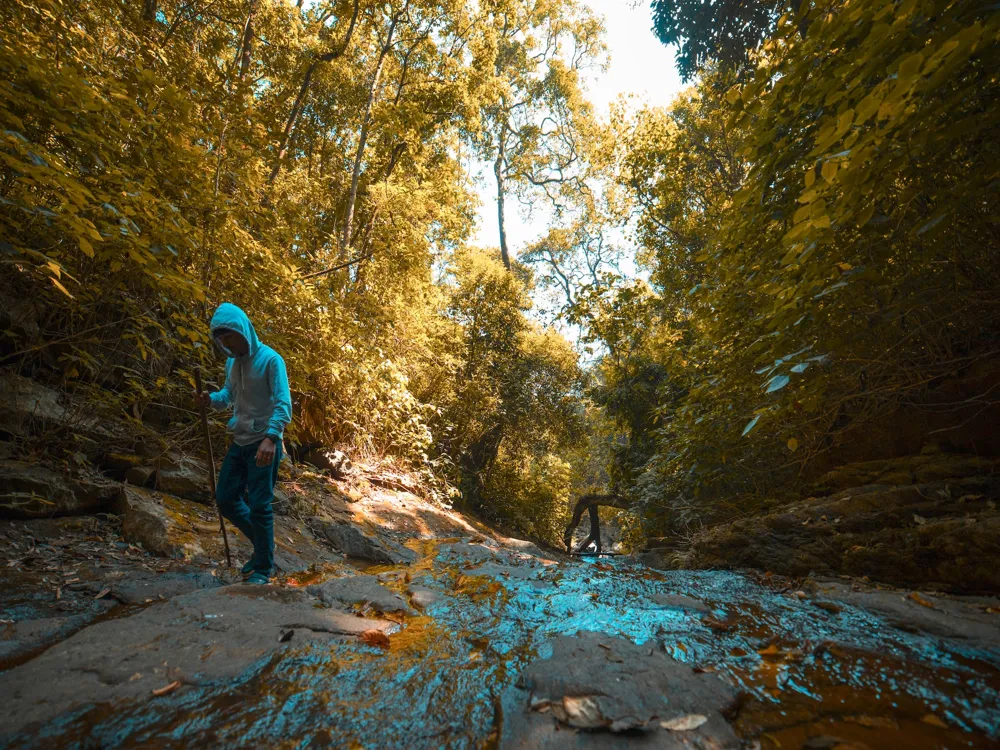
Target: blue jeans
[[255, 518]]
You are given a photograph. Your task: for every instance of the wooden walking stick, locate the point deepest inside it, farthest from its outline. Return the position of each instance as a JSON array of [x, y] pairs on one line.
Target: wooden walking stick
[[211, 465]]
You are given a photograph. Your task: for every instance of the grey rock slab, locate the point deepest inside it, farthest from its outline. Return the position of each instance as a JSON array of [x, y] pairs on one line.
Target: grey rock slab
[[963, 618], [140, 588], [19, 640], [597, 691], [353, 541], [197, 638], [346, 592], [34, 491]]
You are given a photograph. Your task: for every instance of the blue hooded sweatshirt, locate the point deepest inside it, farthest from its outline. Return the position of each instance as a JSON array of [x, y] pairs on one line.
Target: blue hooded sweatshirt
[[256, 383]]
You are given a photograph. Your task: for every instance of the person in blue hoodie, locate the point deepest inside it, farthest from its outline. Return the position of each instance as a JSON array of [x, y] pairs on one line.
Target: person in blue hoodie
[[256, 389]]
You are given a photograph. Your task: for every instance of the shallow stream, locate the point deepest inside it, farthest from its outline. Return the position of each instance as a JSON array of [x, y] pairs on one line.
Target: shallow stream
[[807, 672]]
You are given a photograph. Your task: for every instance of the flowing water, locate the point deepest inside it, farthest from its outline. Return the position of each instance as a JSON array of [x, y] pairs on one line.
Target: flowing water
[[805, 671]]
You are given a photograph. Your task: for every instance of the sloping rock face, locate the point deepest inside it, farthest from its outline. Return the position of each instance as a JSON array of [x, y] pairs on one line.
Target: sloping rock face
[[355, 542], [27, 407], [156, 522], [929, 521], [33, 491], [196, 638], [615, 694]]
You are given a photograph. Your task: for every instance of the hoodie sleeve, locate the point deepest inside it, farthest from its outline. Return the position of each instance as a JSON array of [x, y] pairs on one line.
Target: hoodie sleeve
[[224, 398], [280, 395]]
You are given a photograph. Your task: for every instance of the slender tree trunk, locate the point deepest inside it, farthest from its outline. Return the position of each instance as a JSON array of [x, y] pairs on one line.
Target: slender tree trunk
[[352, 196], [149, 11], [498, 167], [247, 45], [293, 116]]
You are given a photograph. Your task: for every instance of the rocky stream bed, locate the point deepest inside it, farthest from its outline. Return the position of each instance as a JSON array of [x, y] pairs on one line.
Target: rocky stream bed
[[472, 640], [396, 622]]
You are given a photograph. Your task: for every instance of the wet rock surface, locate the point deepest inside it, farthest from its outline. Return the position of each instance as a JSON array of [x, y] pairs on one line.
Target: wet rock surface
[[481, 641], [194, 639], [616, 694]]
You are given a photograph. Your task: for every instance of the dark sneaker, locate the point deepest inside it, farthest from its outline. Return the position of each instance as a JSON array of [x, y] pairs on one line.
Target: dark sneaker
[[258, 578], [248, 568]]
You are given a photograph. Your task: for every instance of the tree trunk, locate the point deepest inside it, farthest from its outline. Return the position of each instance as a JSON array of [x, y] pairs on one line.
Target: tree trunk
[[590, 503], [498, 167], [352, 196], [293, 116], [247, 45], [149, 11]]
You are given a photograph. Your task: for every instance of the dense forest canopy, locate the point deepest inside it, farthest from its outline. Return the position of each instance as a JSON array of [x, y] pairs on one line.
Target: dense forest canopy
[[815, 221]]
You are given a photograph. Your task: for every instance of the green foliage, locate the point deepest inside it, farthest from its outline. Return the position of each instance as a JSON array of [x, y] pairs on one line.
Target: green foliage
[[513, 407], [724, 31], [821, 239], [301, 163]]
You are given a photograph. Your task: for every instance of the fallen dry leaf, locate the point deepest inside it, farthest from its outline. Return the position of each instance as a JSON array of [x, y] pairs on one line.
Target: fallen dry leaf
[[934, 721], [540, 704], [375, 638], [771, 651], [684, 723], [922, 601], [880, 722], [580, 711], [167, 688], [828, 606], [103, 593]]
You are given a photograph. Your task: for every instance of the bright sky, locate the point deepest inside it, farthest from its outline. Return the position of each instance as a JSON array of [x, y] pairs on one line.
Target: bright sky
[[641, 68]]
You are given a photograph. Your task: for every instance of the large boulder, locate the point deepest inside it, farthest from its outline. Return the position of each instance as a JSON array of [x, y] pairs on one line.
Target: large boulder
[[183, 476], [34, 491], [353, 541], [908, 470], [160, 523], [27, 406], [615, 694]]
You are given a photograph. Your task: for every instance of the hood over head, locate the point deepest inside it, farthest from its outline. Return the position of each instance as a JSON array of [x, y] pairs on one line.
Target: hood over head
[[231, 318]]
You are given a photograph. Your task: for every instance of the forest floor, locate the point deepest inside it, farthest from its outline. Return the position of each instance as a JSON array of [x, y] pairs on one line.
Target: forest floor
[[395, 621]]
